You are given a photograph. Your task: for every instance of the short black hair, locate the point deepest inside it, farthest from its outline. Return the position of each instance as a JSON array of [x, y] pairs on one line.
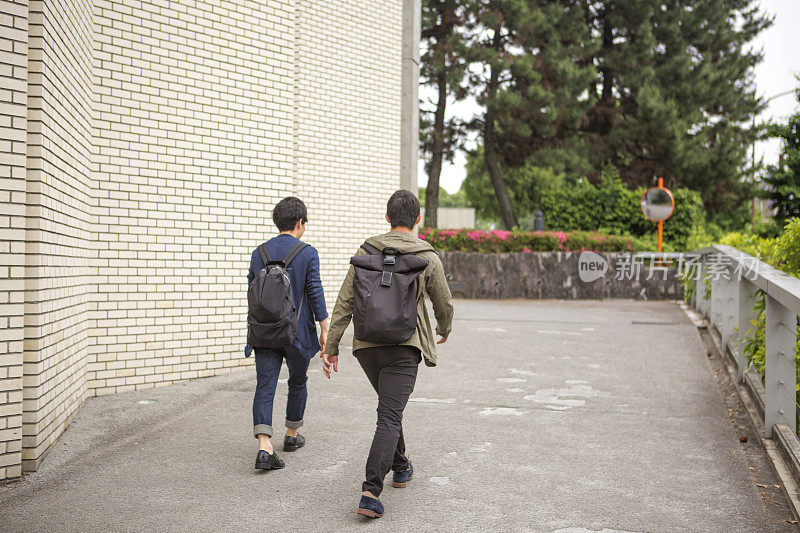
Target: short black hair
[[288, 212], [403, 209]]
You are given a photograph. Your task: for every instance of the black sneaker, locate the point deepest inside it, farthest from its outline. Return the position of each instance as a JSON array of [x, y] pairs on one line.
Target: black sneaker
[[268, 461], [291, 444]]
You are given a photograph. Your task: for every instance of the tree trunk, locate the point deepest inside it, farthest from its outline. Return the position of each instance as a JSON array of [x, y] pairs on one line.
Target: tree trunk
[[606, 106], [490, 153], [608, 45], [600, 117], [437, 155]]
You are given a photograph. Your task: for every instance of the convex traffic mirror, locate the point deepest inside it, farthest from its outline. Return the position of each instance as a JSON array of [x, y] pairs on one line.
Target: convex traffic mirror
[[657, 204]]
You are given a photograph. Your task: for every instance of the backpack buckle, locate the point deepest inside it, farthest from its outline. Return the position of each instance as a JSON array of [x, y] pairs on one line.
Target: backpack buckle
[[389, 260]]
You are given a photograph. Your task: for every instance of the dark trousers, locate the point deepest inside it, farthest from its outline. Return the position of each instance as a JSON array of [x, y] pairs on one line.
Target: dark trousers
[[268, 367], [392, 371]]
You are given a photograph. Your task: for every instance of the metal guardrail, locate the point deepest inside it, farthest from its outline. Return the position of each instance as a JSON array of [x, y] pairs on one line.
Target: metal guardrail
[[729, 308]]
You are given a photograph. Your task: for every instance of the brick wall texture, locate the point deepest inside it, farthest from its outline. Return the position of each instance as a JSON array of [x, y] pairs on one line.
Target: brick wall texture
[[144, 144], [13, 125]]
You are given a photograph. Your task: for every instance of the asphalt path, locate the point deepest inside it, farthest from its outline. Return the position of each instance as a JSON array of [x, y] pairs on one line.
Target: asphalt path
[[568, 416]]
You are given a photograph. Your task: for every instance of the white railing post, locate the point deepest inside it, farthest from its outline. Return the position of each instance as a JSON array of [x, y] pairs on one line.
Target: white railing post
[[715, 313], [693, 300], [700, 289], [780, 378], [730, 309], [747, 292], [711, 304]]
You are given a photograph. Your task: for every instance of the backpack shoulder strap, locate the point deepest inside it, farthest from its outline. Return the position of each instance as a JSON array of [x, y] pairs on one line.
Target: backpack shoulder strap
[[262, 251], [371, 249], [299, 247]]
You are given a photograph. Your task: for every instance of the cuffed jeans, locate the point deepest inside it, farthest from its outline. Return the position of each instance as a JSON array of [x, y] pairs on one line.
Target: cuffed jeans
[[392, 371], [268, 367]]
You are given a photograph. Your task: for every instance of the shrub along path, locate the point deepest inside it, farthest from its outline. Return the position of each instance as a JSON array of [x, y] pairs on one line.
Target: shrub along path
[[500, 241], [542, 416]]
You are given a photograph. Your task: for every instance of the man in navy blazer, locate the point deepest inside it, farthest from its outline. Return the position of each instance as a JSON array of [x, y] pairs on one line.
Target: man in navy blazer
[[290, 216]]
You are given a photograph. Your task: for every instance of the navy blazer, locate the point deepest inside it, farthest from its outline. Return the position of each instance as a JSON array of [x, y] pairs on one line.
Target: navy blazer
[[304, 273]]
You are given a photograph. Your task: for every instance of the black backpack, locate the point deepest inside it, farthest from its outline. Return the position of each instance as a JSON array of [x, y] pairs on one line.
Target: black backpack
[[271, 314], [385, 294]]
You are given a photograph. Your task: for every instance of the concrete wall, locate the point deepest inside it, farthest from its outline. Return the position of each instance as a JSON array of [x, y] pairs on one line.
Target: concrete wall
[[454, 217], [157, 135], [554, 275]]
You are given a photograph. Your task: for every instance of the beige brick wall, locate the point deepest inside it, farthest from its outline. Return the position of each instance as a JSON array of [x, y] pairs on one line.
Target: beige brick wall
[[159, 135], [13, 124], [347, 147], [195, 104], [60, 185]]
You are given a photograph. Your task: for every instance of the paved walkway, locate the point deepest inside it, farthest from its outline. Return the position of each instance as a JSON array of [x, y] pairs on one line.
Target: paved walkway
[[542, 416]]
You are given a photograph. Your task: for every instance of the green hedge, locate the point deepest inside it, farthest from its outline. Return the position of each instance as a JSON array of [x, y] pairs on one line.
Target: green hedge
[[499, 241], [611, 207]]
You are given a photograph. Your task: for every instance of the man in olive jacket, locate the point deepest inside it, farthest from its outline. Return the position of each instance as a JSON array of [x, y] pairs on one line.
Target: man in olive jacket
[[392, 368]]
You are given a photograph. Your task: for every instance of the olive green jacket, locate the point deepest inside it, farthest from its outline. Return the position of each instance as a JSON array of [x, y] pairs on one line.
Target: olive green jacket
[[432, 282]]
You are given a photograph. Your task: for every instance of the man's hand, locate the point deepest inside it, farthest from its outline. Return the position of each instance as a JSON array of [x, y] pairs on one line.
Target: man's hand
[[323, 335], [327, 362]]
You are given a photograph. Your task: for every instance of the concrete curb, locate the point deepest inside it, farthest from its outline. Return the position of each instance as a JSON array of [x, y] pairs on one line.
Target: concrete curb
[[783, 450]]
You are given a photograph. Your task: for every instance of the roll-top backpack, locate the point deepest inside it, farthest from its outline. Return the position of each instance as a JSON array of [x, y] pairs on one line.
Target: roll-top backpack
[[385, 294], [271, 314]]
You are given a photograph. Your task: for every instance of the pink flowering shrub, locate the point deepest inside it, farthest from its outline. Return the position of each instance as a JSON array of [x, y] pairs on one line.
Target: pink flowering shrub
[[500, 241]]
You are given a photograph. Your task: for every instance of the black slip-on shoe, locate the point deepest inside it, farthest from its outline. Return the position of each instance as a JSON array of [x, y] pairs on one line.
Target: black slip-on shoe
[[400, 479], [371, 507], [268, 461], [291, 444]]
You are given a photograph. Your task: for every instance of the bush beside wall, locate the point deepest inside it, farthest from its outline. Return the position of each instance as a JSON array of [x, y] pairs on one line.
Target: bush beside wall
[[611, 207], [501, 241]]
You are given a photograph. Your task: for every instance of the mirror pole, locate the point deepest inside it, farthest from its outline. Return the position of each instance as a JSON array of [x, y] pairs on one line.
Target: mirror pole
[[660, 222], [660, 234]]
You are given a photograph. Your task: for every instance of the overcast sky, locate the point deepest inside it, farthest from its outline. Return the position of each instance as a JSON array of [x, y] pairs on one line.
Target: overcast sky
[[776, 74]]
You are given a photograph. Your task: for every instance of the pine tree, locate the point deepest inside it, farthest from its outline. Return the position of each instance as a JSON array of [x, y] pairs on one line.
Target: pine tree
[[530, 67], [675, 93], [783, 181], [442, 66], [526, 185]]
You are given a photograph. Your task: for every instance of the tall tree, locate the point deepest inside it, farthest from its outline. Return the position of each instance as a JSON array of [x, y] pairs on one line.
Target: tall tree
[[675, 93], [526, 186], [530, 68], [783, 181], [442, 67]]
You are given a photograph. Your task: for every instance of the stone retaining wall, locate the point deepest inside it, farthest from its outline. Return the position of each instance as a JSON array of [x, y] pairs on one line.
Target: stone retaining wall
[[556, 275]]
